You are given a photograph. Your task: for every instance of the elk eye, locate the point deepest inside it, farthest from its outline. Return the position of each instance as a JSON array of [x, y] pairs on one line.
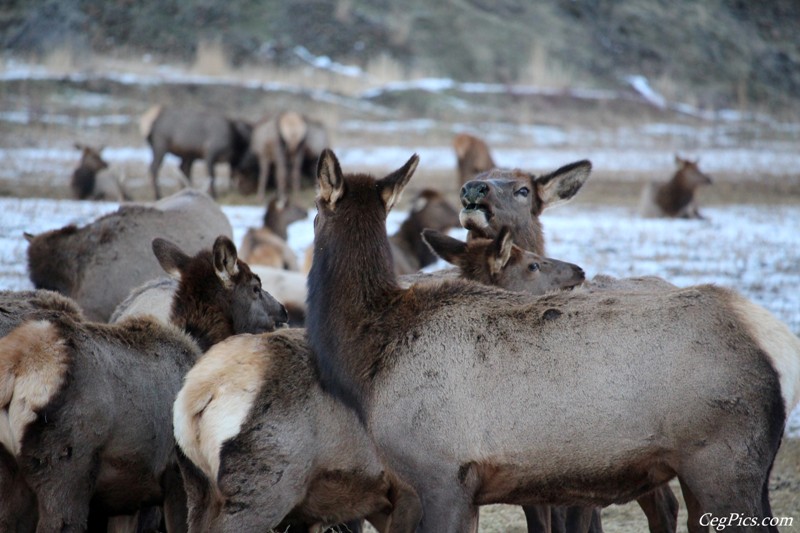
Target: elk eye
[[256, 290], [533, 267], [524, 191]]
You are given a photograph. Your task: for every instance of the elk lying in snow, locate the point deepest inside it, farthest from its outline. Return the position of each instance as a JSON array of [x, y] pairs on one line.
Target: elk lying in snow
[[92, 179], [674, 198], [263, 443], [116, 249], [500, 263], [268, 245], [191, 135], [280, 141], [413, 362], [429, 209], [87, 406], [472, 155]]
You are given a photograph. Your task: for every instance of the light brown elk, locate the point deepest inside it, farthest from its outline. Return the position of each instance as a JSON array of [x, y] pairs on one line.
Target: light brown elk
[[194, 134], [500, 263], [280, 142], [413, 362], [268, 246], [676, 197], [515, 199], [472, 156], [92, 180], [264, 444], [87, 407], [116, 249]]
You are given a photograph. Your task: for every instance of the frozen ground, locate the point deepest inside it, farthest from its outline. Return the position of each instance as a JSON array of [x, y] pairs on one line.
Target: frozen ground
[[754, 249]]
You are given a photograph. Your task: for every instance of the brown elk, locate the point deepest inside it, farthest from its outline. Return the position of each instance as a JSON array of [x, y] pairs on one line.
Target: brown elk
[[192, 135], [87, 406], [116, 249], [92, 180], [512, 198], [264, 444], [500, 263], [280, 141], [413, 362], [428, 209], [472, 155], [268, 245], [675, 198]]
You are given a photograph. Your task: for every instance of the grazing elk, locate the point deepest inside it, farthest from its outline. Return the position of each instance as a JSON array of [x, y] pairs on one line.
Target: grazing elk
[[115, 249], [87, 407], [413, 362], [191, 135], [500, 263], [280, 141], [472, 155], [512, 198], [92, 180], [268, 245], [263, 443], [429, 209], [675, 198]]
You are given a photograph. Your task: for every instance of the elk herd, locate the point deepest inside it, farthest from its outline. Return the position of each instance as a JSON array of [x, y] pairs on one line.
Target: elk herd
[[159, 378]]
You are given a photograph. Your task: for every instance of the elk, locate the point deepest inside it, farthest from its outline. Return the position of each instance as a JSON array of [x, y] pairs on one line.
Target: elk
[[429, 209], [413, 362], [501, 263], [191, 135], [280, 141], [87, 406], [263, 444], [268, 245], [472, 155], [115, 248], [676, 197], [515, 199], [92, 180]]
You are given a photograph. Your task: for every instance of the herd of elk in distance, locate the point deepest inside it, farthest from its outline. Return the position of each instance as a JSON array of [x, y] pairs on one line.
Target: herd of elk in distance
[[410, 399]]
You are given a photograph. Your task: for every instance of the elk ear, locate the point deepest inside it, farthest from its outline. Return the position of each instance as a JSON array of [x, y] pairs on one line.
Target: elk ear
[[171, 258], [560, 186], [28, 236], [329, 178], [79, 146], [500, 251], [225, 259], [392, 186], [444, 246]]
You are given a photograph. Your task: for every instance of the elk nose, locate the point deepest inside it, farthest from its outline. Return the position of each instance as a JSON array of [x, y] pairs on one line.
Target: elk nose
[[472, 191]]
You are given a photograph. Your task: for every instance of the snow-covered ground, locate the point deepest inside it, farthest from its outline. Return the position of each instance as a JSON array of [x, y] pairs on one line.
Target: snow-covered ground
[[754, 249]]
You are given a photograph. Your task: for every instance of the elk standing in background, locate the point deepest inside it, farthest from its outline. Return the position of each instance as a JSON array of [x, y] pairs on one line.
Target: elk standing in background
[[191, 135], [675, 198], [92, 179], [473, 157], [280, 141]]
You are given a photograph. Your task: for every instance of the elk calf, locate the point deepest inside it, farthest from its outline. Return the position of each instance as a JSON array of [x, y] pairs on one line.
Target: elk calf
[[262, 443], [92, 179], [675, 198]]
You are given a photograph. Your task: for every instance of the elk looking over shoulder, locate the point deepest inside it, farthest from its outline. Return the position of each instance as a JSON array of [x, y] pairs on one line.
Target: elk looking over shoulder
[[412, 362]]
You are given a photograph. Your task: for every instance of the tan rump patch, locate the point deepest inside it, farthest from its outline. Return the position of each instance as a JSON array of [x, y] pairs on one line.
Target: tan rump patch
[[292, 128], [780, 344], [146, 121], [33, 363], [216, 398]]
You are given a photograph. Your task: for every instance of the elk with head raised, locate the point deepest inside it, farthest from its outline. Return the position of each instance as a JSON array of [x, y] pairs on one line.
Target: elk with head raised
[[676, 197], [192, 135], [92, 179], [88, 406], [413, 363]]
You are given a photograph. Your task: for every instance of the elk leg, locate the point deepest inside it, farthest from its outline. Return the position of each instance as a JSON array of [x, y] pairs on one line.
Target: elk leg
[[17, 502], [538, 518], [580, 519], [297, 162], [661, 508], [155, 165]]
